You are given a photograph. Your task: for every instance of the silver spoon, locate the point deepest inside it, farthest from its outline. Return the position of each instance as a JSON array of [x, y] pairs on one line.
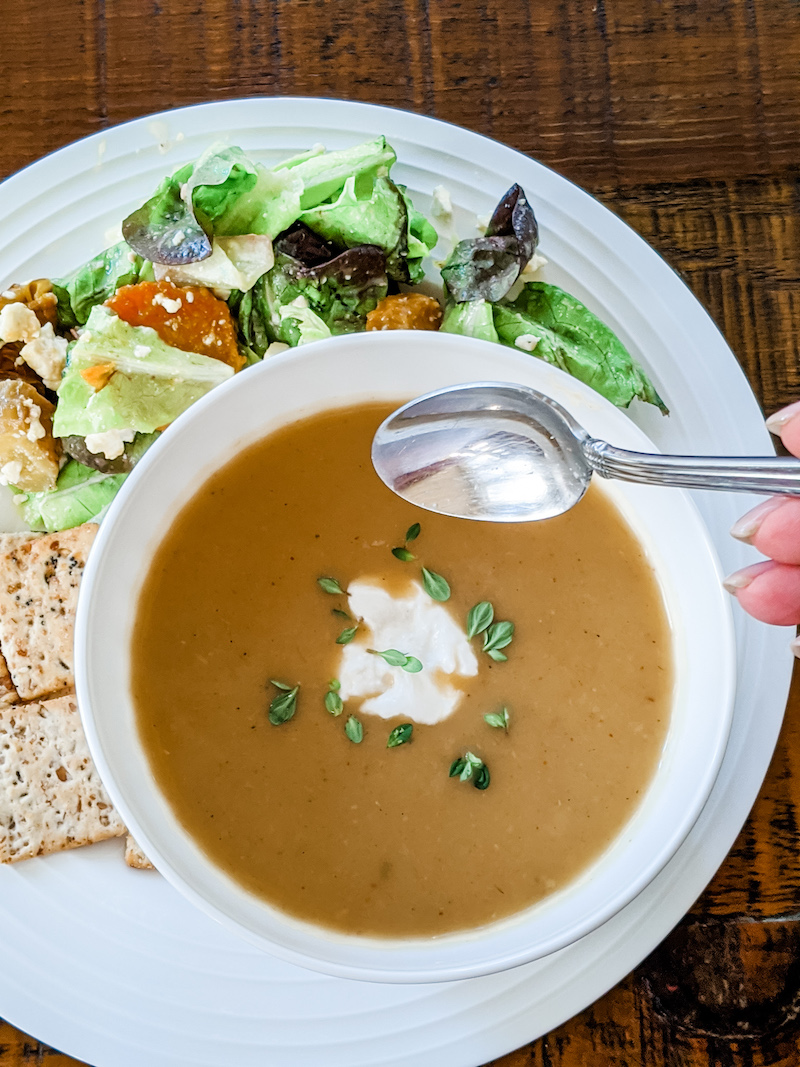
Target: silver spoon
[[505, 453]]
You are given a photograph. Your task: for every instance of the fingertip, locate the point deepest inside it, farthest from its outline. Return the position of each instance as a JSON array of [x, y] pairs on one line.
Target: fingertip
[[769, 592]]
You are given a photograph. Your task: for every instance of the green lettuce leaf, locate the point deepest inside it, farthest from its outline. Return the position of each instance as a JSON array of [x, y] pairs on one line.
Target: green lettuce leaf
[[150, 385], [80, 495], [94, 282], [324, 174], [474, 318], [341, 291], [302, 325], [557, 327], [422, 239], [223, 194], [232, 195], [366, 214]]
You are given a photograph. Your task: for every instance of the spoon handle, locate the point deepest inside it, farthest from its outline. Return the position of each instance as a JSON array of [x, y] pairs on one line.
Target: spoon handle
[[760, 474]]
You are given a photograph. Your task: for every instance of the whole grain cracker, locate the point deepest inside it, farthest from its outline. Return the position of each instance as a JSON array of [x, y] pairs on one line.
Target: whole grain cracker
[[39, 582], [51, 796], [134, 856]]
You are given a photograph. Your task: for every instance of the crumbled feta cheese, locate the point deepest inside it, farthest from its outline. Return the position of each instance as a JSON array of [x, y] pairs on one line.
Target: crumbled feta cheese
[[441, 205], [18, 323], [170, 306], [189, 297], [275, 348], [110, 443], [10, 472], [140, 351], [113, 235], [527, 274], [46, 354], [527, 342], [35, 431]]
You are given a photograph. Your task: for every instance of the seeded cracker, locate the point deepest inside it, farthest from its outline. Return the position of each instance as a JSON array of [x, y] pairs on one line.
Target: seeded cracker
[[51, 797], [39, 582], [134, 856], [8, 694]]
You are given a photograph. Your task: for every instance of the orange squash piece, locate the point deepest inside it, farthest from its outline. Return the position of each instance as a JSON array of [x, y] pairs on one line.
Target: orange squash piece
[[189, 318], [406, 311]]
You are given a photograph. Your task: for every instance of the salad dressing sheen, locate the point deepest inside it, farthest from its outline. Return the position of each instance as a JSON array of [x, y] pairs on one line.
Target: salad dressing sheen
[[361, 837]]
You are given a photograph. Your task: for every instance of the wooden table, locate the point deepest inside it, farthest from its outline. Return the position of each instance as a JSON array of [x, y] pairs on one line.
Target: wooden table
[[683, 117]]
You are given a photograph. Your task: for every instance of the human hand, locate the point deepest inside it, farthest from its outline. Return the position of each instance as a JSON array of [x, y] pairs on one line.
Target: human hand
[[770, 591]]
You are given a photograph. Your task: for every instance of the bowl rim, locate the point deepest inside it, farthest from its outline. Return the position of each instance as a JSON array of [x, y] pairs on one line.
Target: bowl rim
[[432, 965]]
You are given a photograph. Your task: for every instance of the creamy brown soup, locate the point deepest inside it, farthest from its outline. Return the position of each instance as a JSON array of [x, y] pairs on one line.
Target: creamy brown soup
[[356, 835]]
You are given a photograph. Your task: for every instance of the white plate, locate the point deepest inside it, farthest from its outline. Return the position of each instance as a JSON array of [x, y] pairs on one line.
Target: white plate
[[109, 964]]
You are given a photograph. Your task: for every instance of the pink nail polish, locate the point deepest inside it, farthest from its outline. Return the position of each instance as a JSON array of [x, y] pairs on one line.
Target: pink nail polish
[[776, 422], [745, 528]]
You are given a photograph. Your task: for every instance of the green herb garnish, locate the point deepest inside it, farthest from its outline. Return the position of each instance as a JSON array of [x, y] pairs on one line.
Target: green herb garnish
[[346, 636], [479, 618], [354, 730], [334, 703], [335, 685], [498, 719], [497, 636], [330, 585], [340, 613], [435, 585], [284, 705], [280, 685], [469, 766], [400, 735], [412, 533], [398, 659]]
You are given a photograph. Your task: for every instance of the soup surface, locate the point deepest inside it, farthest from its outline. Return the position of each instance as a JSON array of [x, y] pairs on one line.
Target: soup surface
[[316, 813]]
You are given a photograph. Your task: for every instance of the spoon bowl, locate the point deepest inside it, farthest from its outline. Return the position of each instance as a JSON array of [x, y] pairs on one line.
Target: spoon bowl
[[501, 452]]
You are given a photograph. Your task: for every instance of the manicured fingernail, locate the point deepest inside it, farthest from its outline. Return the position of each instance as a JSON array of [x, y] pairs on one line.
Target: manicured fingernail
[[737, 581], [795, 647], [745, 529], [776, 422]]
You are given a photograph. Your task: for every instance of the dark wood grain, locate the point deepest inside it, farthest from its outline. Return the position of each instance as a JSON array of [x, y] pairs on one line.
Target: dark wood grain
[[683, 116]]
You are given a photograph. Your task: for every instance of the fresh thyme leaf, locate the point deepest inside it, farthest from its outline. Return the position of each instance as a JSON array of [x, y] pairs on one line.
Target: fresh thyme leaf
[[283, 707], [335, 684], [498, 657], [340, 613], [457, 766], [435, 585], [334, 703], [479, 618], [354, 730], [391, 655], [498, 719], [403, 554], [398, 659], [498, 636], [412, 533], [330, 585], [469, 766], [400, 735], [279, 685], [346, 636], [482, 778]]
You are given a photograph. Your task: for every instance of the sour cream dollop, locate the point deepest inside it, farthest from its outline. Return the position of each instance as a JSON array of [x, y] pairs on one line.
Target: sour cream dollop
[[417, 626]]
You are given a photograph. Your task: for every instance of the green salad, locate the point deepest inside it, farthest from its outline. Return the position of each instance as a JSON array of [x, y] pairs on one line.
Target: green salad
[[226, 264]]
